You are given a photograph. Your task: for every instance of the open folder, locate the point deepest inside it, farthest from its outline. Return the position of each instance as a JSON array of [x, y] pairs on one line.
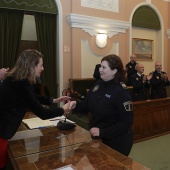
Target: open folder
[[36, 122]]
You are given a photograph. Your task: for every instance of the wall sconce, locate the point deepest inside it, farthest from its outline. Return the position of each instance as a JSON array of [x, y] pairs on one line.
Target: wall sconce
[[101, 40]]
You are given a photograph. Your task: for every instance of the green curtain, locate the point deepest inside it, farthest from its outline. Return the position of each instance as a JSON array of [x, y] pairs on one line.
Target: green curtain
[[44, 6], [46, 35], [10, 35]]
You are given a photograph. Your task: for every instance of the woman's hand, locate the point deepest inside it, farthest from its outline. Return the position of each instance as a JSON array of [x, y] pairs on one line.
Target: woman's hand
[[68, 107], [62, 99], [94, 131]]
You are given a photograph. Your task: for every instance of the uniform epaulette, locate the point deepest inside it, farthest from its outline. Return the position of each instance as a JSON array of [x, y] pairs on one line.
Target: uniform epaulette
[[123, 85]]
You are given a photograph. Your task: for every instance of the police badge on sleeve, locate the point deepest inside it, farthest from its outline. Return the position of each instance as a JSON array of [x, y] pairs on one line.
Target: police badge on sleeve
[[95, 88], [123, 85], [128, 105]]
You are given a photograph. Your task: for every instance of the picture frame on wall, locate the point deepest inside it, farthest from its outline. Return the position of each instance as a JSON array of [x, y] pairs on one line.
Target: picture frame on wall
[[142, 48]]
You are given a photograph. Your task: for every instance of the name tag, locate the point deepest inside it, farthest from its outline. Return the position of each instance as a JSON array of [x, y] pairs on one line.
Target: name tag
[[108, 96]]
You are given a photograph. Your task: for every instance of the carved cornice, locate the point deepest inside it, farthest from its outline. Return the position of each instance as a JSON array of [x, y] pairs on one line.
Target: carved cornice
[[95, 25], [168, 33], [109, 5]]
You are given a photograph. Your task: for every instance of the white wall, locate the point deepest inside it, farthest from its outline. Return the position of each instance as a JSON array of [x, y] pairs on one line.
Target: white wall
[[90, 59], [28, 28]]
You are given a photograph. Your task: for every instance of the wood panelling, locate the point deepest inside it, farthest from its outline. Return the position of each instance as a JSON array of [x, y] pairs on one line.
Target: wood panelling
[[151, 118]]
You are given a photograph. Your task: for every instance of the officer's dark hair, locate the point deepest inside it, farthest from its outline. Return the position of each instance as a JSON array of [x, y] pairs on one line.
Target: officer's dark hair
[[115, 62]]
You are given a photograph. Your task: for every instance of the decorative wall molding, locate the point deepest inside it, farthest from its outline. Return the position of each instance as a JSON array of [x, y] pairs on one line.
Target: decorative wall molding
[[148, 1], [95, 25], [45, 6], [107, 5], [168, 33]]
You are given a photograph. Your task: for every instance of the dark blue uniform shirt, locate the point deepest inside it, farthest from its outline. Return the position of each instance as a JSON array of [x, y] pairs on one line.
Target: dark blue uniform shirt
[[111, 108]]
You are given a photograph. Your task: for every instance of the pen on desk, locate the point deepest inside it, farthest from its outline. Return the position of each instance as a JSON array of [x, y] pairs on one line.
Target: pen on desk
[[57, 137], [56, 119], [41, 127]]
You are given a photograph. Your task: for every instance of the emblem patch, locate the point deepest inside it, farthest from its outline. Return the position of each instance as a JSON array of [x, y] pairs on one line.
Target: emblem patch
[[130, 66], [157, 77], [123, 85], [137, 79], [128, 106], [95, 88]]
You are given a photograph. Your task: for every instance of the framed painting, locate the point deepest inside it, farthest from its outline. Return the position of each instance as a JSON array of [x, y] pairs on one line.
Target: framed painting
[[142, 48]]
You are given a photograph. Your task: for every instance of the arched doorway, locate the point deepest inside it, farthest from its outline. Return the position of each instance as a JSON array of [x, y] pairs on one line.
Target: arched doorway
[[142, 28]]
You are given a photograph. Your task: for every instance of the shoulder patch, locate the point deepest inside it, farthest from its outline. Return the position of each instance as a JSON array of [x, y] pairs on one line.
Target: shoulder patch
[[123, 85], [95, 88], [128, 105]]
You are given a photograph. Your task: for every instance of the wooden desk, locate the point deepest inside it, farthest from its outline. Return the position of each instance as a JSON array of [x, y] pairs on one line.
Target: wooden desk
[[73, 147]]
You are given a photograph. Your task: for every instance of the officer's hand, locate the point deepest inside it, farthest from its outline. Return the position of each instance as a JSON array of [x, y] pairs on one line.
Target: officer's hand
[[164, 77], [144, 78], [149, 77], [66, 109]]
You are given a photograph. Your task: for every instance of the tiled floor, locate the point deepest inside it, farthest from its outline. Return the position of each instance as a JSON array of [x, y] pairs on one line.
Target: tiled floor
[[153, 153]]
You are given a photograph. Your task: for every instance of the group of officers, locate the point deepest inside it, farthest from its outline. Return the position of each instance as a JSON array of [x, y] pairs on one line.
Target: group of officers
[[145, 87], [155, 82]]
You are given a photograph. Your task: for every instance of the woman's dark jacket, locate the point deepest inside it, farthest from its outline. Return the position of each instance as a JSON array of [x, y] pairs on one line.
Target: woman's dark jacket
[[16, 98]]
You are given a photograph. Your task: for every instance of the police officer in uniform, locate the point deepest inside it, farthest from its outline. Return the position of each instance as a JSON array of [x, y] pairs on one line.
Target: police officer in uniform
[[130, 69], [158, 82], [96, 73], [140, 83], [110, 105]]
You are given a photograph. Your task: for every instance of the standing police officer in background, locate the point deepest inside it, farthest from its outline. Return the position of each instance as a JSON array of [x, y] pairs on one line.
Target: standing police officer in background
[[110, 105], [140, 83], [158, 82], [96, 73], [130, 69]]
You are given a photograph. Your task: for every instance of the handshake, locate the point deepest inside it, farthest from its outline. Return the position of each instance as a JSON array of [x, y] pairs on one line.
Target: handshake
[[68, 107]]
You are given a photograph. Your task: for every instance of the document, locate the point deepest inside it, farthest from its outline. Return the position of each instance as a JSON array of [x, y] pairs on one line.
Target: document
[[68, 167], [36, 122]]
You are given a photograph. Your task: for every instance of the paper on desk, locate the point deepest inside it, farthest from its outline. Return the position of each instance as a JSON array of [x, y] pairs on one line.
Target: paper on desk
[[68, 167], [26, 134], [36, 122]]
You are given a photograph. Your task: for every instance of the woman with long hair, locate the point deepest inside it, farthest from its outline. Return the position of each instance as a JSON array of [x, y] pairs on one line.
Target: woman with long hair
[[17, 97]]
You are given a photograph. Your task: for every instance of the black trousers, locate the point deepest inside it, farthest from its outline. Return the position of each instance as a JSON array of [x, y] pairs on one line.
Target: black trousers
[[122, 143]]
